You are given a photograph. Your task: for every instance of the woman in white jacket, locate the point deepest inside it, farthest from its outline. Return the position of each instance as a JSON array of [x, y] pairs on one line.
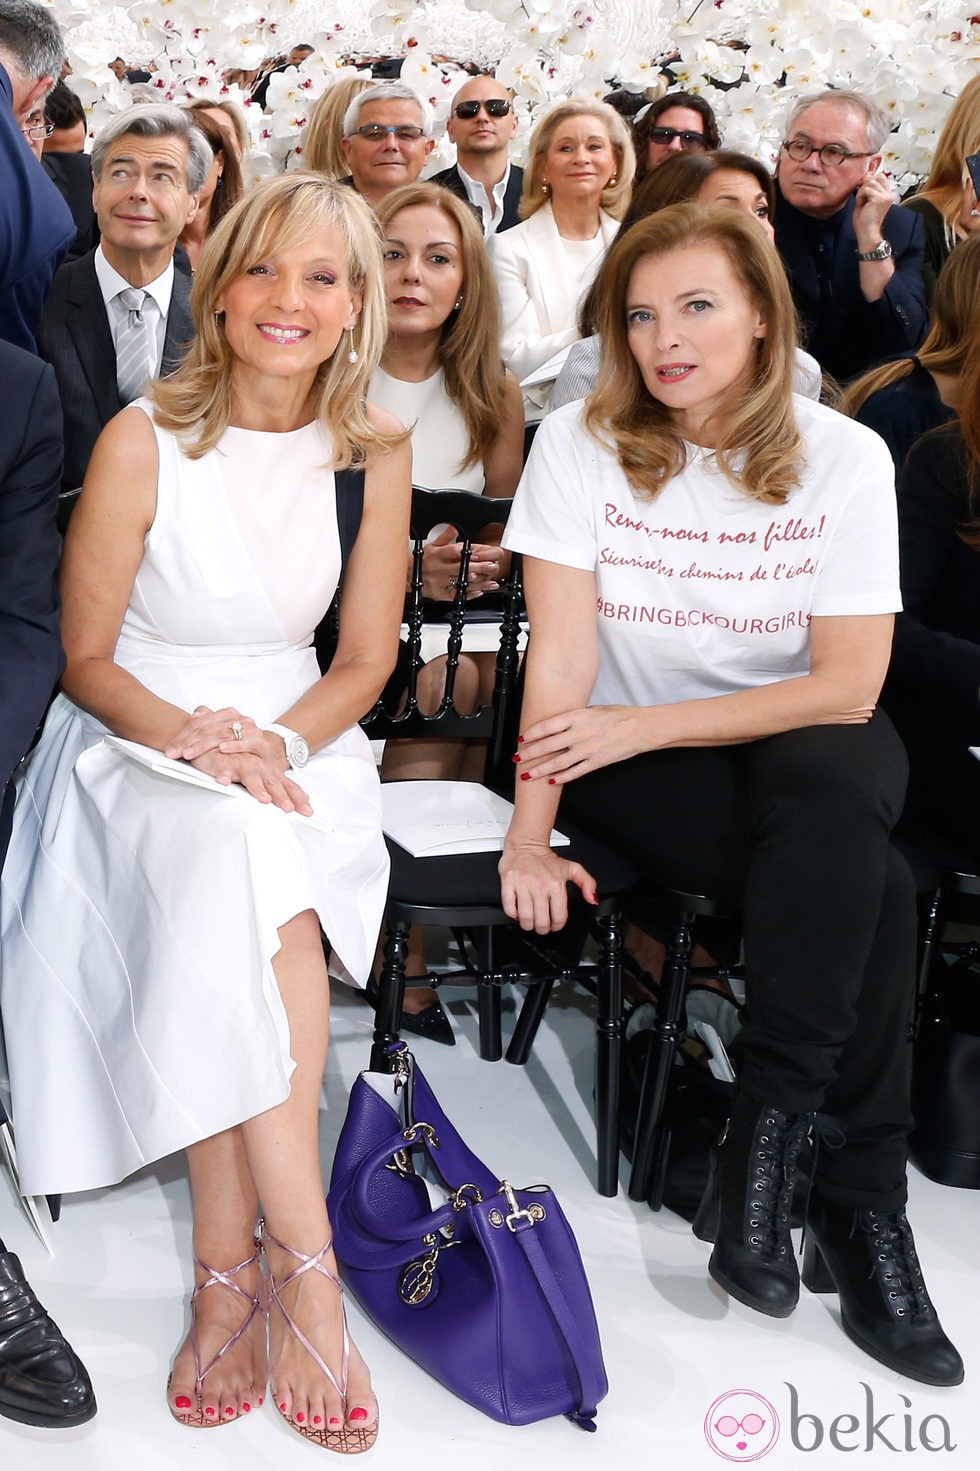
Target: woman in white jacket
[[576, 188]]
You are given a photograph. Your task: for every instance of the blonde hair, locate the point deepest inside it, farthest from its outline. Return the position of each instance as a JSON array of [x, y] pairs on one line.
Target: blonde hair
[[759, 429], [955, 325], [469, 349], [960, 137], [321, 142], [195, 403], [615, 197]]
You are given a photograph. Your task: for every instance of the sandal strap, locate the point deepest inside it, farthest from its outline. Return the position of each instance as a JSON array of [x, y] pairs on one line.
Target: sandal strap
[[216, 1278], [307, 1264]]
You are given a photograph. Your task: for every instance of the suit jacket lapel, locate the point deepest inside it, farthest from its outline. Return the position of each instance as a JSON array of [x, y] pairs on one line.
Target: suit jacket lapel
[[88, 327], [180, 325]]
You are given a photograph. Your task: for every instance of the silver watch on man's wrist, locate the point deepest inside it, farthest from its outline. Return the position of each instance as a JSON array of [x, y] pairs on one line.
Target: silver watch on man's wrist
[[297, 751], [880, 252]]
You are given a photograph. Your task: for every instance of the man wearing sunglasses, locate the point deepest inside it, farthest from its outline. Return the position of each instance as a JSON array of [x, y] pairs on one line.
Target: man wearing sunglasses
[[387, 139], [854, 258], [482, 123]]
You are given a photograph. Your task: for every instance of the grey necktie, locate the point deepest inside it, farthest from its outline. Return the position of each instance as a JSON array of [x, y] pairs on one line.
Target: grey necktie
[[135, 346]]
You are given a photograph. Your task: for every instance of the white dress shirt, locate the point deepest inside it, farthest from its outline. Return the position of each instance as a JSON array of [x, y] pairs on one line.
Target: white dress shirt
[[155, 307], [476, 193]]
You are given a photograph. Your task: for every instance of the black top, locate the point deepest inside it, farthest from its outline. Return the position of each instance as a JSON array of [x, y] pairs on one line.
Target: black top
[[938, 248], [937, 638], [903, 411]]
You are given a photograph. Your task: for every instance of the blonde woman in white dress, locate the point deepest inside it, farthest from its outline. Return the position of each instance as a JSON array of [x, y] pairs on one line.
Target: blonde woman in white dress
[[164, 936]]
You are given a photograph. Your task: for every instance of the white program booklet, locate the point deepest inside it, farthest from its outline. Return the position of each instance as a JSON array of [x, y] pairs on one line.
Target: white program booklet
[[182, 771], [432, 819]]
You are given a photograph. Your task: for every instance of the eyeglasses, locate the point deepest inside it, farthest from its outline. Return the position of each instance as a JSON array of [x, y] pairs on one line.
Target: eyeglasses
[[37, 130], [493, 107], [377, 132], [690, 142], [831, 155], [749, 1425]]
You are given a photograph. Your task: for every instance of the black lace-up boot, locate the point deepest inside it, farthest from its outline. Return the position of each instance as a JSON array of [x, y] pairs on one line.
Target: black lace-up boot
[[868, 1257], [746, 1207]]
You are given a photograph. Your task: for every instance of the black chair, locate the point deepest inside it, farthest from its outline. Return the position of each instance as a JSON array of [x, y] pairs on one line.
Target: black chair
[[462, 893]]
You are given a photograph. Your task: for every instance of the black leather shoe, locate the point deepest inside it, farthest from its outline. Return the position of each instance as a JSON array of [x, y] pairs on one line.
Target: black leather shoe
[[868, 1257], [41, 1380], [746, 1207], [431, 1022]]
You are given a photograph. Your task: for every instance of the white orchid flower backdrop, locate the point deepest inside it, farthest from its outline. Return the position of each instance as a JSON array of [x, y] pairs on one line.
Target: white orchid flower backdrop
[[911, 56]]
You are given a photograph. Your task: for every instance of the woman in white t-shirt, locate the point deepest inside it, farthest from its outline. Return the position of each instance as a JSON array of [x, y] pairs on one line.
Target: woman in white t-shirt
[[711, 574]]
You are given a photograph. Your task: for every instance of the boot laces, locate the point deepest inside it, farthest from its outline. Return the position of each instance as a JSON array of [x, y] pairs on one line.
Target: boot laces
[[775, 1154], [895, 1262]]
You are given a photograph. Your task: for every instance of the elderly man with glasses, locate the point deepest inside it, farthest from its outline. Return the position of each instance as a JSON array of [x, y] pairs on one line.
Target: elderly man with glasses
[[387, 139], [854, 258], [482, 123]]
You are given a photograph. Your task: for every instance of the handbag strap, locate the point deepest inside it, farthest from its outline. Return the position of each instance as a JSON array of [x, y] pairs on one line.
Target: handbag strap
[[379, 1226], [582, 1360]]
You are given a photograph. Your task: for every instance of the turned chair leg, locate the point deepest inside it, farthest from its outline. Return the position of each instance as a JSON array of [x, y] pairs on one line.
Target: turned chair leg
[[660, 1059], [391, 996]]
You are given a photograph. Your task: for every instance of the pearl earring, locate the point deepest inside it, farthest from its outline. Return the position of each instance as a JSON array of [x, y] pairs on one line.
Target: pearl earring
[[352, 355], [458, 303], [612, 182]]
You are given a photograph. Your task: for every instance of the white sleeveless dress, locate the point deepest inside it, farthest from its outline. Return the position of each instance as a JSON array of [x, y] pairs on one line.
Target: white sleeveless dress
[[140, 914]]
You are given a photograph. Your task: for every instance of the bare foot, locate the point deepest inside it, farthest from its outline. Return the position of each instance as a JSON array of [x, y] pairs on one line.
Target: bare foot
[[303, 1393], [234, 1384]]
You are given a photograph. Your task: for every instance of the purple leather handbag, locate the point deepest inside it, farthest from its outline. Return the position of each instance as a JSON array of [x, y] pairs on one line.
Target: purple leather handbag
[[479, 1283]]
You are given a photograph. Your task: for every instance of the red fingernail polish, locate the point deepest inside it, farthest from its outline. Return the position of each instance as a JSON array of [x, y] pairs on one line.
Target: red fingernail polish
[[317, 1419], [182, 1402], [515, 758], [245, 1407], [551, 781], [520, 740], [229, 1411], [358, 1414], [300, 1417], [525, 776]]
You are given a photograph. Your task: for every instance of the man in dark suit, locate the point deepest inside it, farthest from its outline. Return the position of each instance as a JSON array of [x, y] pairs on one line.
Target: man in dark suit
[[483, 172], [42, 1382], [854, 257], [148, 164], [36, 227]]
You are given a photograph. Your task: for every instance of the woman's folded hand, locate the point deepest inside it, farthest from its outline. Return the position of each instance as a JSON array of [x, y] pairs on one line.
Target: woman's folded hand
[[565, 746], [262, 776], [440, 567]]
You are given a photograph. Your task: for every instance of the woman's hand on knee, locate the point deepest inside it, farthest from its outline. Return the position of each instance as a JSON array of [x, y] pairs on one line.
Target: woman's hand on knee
[[533, 889], [261, 776]]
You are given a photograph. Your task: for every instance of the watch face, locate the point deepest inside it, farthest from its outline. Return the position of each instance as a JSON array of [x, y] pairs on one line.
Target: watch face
[[299, 752]]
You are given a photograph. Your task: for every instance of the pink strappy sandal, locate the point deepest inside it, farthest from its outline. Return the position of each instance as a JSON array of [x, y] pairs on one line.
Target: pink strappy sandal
[[348, 1440], [195, 1417]]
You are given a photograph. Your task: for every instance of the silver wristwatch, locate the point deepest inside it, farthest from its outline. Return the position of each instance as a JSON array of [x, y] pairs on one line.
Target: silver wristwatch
[[880, 252], [297, 751]]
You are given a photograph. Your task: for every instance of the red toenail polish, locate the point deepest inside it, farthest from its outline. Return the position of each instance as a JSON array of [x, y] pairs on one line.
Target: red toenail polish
[[283, 1407], [246, 1407], [182, 1402], [358, 1414], [229, 1411], [334, 1420], [209, 1411], [300, 1417], [317, 1419]]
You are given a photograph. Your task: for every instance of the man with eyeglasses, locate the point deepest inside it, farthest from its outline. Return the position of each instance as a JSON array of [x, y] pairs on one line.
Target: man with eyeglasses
[[387, 139], [36, 227], [482, 123], [854, 258]]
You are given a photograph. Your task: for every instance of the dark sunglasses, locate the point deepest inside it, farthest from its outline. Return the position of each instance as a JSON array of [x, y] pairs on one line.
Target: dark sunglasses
[[689, 141], [493, 107]]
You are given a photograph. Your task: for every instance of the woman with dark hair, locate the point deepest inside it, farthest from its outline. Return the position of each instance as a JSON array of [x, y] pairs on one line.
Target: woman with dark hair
[[933, 689], [721, 177], [222, 189], [678, 122], [907, 397], [711, 573]]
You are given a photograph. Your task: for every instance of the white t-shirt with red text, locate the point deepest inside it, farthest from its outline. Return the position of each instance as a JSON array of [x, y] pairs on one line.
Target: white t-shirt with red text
[[703, 590]]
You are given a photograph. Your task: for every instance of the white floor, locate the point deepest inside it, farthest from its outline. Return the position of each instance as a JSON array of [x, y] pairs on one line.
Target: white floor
[[673, 1343]]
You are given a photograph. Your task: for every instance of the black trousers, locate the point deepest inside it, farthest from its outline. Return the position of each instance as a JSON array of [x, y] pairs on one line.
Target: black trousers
[[793, 831]]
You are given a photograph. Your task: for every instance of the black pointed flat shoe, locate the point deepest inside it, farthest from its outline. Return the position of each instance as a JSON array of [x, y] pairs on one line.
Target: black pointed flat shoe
[[431, 1023]]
